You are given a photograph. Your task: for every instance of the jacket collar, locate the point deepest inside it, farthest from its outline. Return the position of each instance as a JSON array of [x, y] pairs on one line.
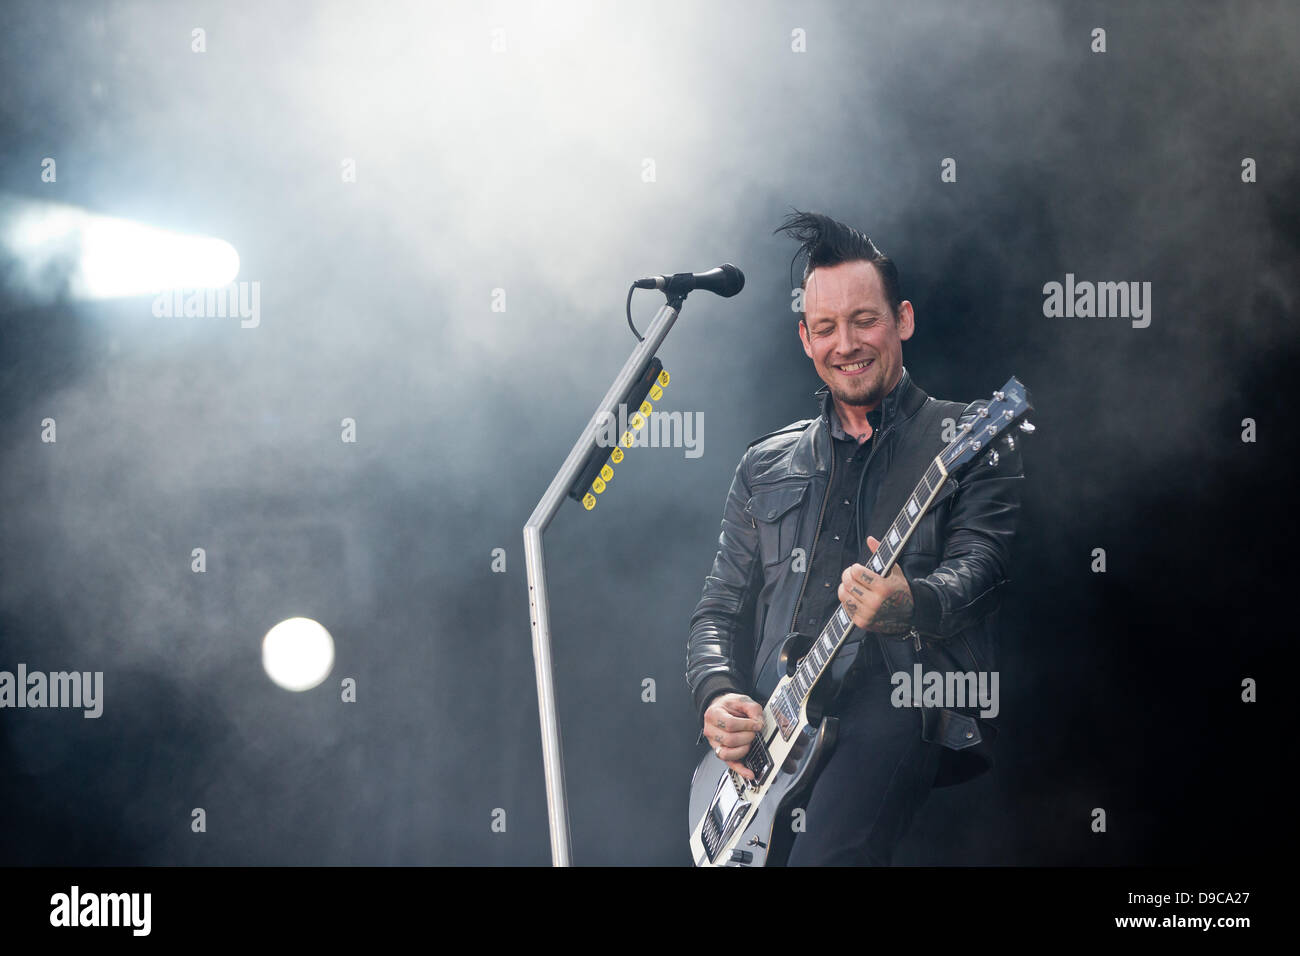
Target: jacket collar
[[901, 402]]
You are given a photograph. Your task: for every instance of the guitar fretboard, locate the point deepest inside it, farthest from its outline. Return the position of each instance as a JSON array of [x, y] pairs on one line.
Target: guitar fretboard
[[837, 629]]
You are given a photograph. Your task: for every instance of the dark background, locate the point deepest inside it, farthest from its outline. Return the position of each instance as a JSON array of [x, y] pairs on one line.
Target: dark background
[[523, 171]]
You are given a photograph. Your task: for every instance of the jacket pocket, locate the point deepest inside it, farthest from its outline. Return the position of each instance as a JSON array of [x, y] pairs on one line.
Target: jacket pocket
[[775, 513], [950, 729]]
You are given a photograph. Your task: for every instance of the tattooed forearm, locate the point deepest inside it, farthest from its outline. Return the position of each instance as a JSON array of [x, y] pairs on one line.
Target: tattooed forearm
[[895, 613]]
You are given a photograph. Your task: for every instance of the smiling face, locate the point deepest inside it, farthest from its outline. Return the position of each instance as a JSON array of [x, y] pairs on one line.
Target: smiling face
[[849, 332]]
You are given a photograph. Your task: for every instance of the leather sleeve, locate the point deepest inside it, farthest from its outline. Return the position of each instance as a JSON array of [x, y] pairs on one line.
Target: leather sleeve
[[721, 642], [966, 585]]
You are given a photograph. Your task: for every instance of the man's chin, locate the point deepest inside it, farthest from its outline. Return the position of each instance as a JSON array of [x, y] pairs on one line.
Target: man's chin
[[869, 395]]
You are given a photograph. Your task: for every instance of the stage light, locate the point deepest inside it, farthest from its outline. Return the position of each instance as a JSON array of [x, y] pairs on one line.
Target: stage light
[[102, 257], [122, 258], [298, 653]]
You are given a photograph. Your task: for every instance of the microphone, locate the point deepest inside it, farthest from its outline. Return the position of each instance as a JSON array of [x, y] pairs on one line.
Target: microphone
[[726, 280]]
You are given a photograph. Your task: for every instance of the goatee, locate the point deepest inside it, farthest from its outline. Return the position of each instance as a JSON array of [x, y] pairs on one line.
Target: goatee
[[873, 395]]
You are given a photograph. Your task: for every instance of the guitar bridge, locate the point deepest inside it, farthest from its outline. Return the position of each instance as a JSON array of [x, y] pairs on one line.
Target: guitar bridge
[[727, 811]]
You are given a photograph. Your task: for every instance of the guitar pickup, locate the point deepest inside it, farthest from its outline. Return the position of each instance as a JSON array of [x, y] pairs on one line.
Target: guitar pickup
[[758, 760]]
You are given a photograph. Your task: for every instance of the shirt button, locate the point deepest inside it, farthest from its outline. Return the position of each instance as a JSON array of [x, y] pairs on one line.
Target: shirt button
[[846, 501], [837, 537]]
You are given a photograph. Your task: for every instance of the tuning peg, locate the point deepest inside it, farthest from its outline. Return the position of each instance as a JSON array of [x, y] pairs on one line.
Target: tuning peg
[[998, 396], [1027, 428], [993, 458], [1011, 443]]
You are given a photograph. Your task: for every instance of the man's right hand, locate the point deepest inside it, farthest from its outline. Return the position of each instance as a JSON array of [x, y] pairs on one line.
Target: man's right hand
[[730, 725]]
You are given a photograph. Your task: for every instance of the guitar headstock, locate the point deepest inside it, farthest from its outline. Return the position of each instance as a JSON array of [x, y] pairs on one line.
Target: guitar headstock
[[995, 424]]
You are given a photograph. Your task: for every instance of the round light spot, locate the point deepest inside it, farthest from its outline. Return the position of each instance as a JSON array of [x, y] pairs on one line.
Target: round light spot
[[298, 653]]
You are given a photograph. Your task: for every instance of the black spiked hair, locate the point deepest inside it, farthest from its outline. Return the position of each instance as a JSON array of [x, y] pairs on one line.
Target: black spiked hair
[[824, 241]]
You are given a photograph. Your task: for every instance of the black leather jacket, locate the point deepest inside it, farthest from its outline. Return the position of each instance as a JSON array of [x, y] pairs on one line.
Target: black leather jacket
[[956, 562]]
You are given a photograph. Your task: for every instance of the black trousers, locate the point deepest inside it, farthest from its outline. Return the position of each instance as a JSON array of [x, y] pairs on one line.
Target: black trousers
[[878, 776]]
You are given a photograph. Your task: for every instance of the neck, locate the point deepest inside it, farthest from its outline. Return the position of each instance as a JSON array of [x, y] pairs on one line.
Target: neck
[[853, 419]]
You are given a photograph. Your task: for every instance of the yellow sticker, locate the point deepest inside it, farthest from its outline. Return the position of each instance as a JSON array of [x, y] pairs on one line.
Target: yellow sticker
[[589, 501], [627, 440], [663, 377], [606, 472], [616, 455], [656, 392], [598, 486], [637, 420], [646, 408]]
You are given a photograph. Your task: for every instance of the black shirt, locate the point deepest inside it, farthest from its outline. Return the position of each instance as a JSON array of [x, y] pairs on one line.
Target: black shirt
[[837, 546]]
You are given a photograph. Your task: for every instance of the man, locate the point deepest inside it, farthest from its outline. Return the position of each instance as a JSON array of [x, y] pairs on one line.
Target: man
[[795, 534]]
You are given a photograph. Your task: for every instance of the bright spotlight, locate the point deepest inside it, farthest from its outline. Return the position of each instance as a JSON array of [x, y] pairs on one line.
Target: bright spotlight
[[101, 257], [298, 653], [121, 258]]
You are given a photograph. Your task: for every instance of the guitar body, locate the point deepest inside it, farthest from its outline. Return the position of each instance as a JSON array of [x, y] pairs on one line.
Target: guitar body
[[765, 836]]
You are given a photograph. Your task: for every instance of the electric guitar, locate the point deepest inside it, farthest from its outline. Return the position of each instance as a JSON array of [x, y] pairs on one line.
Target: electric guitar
[[733, 820]]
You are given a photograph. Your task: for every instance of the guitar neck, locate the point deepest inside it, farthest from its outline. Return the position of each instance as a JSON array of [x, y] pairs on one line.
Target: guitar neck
[[837, 629]]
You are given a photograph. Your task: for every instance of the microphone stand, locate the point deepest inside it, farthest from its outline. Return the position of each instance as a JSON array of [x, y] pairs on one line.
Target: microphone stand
[[552, 755]]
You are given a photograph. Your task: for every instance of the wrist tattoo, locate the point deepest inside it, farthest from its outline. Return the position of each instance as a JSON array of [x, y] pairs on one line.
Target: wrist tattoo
[[895, 613]]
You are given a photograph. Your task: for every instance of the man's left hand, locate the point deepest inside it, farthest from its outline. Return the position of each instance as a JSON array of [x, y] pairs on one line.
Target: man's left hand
[[874, 603]]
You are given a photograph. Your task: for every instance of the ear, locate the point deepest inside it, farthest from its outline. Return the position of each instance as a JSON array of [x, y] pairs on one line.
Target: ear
[[906, 321], [802, 328]]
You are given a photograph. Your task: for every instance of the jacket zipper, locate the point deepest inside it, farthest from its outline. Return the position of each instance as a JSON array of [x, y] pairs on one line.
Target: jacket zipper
[[818, 533]]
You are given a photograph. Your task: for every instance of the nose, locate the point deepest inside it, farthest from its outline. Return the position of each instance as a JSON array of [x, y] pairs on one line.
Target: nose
[[844, 339]]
